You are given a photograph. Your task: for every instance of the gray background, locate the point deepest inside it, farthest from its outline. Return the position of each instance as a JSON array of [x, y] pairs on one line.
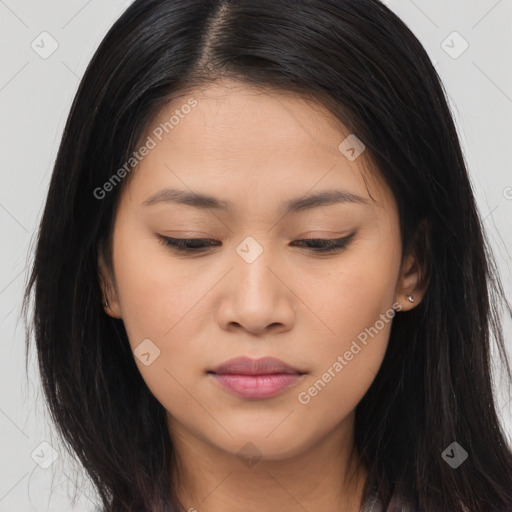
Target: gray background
[[35, 96]]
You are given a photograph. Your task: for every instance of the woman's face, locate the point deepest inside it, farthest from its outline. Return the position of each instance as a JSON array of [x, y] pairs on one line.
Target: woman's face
[[259, 290]]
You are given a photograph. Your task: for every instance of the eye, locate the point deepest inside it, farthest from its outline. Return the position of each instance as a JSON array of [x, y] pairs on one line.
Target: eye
[[188, 244], [322, 245], [196, 245]]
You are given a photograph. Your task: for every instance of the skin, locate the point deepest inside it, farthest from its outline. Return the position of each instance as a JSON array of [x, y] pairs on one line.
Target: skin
[[256, 149]]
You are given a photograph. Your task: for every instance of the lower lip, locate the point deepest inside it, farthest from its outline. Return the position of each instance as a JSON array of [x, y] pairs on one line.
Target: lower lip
[[256, 386]]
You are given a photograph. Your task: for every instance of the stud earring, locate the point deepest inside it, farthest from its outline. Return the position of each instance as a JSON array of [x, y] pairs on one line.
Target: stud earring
[[106, 303], [410, 298]]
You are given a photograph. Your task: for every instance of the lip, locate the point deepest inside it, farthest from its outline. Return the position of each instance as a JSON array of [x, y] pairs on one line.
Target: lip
[[248, 366], [256, 378]]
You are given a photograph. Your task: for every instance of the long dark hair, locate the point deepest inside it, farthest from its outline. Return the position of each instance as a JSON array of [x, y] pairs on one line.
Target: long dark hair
[[361, 61]]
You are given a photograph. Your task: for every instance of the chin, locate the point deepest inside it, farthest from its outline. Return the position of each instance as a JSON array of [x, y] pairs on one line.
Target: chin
[[253, 444]]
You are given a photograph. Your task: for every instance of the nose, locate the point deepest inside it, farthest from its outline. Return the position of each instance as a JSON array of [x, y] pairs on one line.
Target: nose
[[256, 297]]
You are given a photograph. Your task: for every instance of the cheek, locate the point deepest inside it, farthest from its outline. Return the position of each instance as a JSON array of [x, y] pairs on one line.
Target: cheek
[[355, 303], [156, 295], [352, 295], [347, 366], [163, 315]]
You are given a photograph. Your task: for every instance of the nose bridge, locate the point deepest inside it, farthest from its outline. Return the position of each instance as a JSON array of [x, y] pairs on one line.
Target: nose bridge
[[253, 269], [256, 298]]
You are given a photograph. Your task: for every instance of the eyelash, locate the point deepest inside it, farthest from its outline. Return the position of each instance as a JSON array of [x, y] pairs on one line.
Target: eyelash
[[197, 245]]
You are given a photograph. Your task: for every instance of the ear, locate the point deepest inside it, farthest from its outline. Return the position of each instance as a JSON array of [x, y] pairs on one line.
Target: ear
[[416, 269], [108, 289]]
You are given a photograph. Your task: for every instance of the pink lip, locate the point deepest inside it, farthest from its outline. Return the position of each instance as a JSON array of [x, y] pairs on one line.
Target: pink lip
[[256, 378]]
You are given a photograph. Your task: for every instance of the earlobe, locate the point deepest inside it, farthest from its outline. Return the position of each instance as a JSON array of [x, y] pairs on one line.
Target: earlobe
[[109, 299], [412, 285], [411, 300], [109, 303], [415, 275], [106, 305]]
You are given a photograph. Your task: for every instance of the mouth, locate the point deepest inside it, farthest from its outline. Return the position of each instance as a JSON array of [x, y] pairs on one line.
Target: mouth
[[256, 378]]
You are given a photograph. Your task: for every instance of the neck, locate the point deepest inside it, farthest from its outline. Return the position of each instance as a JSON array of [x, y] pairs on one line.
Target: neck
[[326, 476]]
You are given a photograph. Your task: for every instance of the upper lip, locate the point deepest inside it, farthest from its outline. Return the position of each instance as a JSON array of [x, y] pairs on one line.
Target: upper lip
[[248, 366]]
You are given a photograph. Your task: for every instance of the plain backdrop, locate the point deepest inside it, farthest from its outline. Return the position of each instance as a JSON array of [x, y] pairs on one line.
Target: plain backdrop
[[469, 41]]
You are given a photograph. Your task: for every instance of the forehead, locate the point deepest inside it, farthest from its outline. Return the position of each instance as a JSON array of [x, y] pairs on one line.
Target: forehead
[[231, 115], [228, 136]]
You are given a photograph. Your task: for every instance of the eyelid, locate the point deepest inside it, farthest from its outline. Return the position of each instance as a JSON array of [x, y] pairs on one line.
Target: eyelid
[[203, 245]]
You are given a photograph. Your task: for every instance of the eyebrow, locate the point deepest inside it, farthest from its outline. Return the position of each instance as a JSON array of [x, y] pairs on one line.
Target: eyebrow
[[206, 201]]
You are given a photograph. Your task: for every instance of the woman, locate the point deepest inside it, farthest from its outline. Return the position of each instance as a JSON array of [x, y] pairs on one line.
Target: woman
[[261, 280]]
